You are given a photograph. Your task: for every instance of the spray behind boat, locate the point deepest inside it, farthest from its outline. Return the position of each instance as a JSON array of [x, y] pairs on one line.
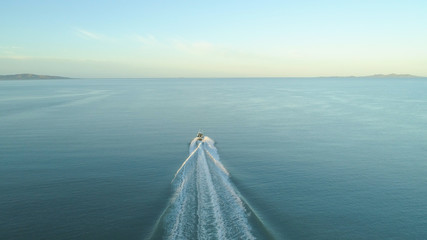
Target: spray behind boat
[[204, 203]]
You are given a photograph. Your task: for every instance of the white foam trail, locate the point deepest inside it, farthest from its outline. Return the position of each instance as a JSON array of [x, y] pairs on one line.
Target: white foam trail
[[205, 204], [218, 163], [209, 214], [183, 164]]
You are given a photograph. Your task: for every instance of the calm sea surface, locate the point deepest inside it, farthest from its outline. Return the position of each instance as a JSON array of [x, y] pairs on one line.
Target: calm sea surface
[[310, 158]]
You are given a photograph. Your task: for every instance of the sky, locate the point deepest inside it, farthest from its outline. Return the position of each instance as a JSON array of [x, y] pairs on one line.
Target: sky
[[232, 38]]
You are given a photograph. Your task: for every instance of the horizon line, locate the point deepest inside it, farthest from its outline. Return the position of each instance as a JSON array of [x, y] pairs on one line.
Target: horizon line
[[392, 75]]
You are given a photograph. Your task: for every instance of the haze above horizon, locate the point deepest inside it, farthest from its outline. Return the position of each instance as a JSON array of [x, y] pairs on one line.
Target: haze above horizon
[[218, 39]]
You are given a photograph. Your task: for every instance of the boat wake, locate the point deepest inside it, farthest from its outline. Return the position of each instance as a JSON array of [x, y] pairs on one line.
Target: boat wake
[[205, 204]]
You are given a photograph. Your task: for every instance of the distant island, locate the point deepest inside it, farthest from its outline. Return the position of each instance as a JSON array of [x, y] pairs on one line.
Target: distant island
[[393, 75], [28, 76]]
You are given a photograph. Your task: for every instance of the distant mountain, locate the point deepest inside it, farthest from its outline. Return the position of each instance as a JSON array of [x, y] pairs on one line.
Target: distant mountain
[[27, 76], [393, 75]]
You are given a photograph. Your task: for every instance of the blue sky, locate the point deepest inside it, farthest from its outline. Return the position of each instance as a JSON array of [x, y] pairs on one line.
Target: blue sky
[[213, 38]]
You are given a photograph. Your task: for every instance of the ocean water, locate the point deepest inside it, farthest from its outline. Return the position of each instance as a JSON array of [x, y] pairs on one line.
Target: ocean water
[[307, 158]]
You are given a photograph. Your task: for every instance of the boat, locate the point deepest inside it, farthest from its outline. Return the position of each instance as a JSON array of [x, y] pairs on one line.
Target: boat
[[200, 136]]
